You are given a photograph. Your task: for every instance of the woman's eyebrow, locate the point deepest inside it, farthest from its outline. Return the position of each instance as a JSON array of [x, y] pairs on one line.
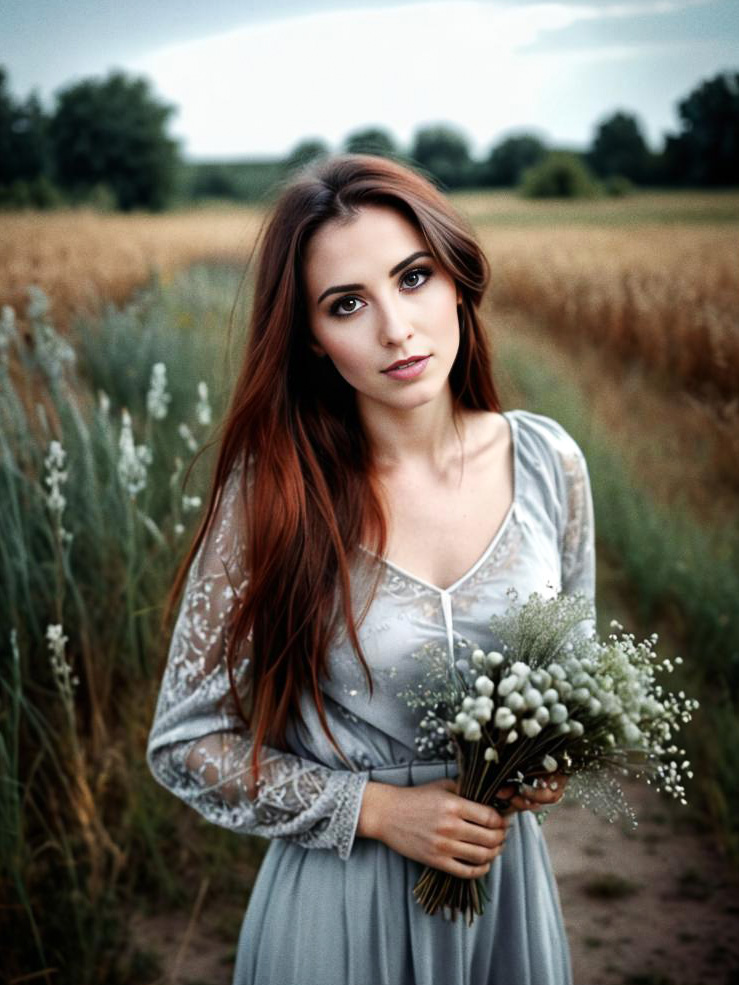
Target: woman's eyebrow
[[358, 287]]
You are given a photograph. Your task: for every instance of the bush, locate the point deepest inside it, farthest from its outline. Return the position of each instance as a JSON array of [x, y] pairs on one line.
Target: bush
[[617, 185], [560, 175]]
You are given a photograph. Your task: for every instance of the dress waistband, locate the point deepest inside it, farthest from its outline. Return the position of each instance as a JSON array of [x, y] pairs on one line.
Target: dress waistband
[[414, 772]]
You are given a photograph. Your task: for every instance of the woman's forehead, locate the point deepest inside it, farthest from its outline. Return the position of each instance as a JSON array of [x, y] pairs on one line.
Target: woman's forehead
[[376, 234]]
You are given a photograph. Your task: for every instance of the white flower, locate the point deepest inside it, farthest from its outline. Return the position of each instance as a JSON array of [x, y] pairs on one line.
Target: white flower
[[187, 436], [494, 659], [556, 671], [483, 685], [157, 398], [478, 657], [521, 669], [576, 728], [132, 461], [512, 736], [461, 719], [190, 503], [507, 685], [595, 707], [472, 731], [202, 410], [515, 701], [469, 703], [531, 727], [540, 679], [549, 763], [491, 754], [558, 714], [504, 718], [541, 715], [533, 698], [550, 696]]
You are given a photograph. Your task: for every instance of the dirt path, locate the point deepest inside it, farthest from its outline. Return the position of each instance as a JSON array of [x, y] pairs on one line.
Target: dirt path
[[650, 906]]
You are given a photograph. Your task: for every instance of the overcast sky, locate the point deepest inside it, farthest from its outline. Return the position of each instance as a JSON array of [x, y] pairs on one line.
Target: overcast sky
[[252, 79]]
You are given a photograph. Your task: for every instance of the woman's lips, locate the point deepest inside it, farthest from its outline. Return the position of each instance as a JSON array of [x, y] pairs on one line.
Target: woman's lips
[[409, 371]]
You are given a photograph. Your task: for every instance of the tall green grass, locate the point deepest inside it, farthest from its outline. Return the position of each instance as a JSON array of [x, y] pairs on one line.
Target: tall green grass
[[90, 533], [676, 575]]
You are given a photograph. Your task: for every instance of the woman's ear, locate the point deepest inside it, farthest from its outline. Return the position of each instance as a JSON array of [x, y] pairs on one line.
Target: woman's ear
[[317, 350]]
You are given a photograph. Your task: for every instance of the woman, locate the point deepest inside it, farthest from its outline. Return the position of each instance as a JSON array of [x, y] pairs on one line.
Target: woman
[[381, 510]]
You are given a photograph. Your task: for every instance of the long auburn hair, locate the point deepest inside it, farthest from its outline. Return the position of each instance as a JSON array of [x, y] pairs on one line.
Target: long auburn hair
[[293, 418]]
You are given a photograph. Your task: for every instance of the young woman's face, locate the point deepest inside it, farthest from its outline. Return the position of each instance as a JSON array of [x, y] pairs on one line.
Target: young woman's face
[[375, 295]]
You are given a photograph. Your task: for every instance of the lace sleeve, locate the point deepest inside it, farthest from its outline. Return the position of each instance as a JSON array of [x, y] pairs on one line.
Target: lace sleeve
[[198, 746], [578, 534]]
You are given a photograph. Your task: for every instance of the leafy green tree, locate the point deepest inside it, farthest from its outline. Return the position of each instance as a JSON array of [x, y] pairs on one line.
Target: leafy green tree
[[113, 131], [372, 140], [444, 153], [25, 152], [619, 147], [509, 159], [706, 152], [306, 151], [560, 175]]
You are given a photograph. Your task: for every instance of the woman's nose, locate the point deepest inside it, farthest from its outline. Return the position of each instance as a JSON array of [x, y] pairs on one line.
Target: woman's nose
[[395, 325]]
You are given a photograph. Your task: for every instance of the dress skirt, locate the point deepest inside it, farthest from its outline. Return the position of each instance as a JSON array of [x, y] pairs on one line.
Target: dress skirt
[[314, 919]]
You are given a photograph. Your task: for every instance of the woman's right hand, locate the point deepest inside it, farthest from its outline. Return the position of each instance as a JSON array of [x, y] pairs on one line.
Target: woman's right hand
[[432, 824]]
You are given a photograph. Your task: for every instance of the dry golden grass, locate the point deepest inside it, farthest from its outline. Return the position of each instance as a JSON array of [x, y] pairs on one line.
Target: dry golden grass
[[666, 297], [83, 258]]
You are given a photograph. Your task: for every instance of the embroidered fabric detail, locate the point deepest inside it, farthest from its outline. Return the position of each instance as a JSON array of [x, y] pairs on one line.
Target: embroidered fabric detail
[[198, 746], [578, 535]]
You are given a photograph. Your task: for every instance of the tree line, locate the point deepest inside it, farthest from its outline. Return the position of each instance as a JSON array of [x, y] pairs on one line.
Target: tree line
[[105, 143]]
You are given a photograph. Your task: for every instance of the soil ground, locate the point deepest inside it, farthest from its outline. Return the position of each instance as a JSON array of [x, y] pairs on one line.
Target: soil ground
[[646, 906]]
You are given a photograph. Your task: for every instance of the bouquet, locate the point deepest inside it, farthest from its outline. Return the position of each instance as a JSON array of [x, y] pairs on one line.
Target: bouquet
[[551, 700]]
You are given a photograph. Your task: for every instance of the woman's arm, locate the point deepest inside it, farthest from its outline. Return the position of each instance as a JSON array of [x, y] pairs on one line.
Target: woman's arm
[[198, 747]]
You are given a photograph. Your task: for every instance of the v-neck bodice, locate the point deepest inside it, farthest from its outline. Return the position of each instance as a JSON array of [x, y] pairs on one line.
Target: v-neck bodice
[[508, 518]]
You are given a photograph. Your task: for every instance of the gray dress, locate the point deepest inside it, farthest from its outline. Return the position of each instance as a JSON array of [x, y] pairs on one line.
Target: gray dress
[[328, 907]]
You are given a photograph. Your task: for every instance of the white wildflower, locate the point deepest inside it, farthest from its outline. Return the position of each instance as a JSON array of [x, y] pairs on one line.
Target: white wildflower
[[533, 698], [133, 460], [515, 701], [541, 715], [494, 659], [66, 682], [549, 763], [508, 684], [472, 731], [558, 713], [187, 436], [504, 718], [491, 754], [203, 410], [521, 669], [531, 727], [512, 736], [191, 503], [157, 399], [483, 685]]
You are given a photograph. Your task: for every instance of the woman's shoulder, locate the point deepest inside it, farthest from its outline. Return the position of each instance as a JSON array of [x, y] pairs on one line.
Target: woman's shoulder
[[541, 434]]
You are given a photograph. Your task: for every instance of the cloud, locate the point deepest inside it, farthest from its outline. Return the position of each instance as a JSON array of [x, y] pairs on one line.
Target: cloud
[[262, 87]]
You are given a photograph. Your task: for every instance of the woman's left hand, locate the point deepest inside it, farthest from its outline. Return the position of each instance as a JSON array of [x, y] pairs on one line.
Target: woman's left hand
[[531, 798]]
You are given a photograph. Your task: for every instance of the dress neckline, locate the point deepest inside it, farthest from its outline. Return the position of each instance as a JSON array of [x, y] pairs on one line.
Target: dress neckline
[[505, 523]]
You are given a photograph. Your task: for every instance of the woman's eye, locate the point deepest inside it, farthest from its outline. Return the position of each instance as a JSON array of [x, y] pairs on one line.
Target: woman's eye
[[337, 308], [417, 272]]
